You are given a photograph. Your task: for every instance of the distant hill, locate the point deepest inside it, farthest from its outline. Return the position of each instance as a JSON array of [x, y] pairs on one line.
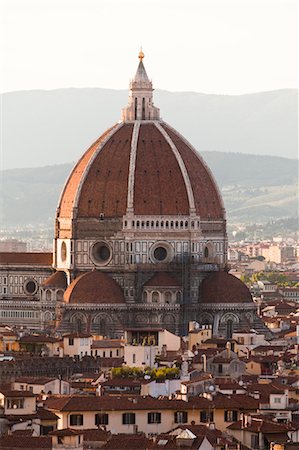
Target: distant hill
[[254, 188], [53, 127]]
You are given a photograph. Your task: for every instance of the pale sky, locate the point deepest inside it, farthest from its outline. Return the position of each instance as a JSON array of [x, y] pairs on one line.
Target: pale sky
[[210, 46]]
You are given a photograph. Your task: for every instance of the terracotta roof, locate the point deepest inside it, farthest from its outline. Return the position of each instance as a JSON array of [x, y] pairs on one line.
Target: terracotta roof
[[111, 362], [198, 379], [94, 287], [128, 441], [29, 442], [17, 394], [108, 403], [31, 339], [163, 279], [99, 181], [95, 435], [77, 335], [44, 259], [222, 287], [107, 343], [45, 414], [34, 380], [263, 425], [215, 437], [58, 280], [66, 432]]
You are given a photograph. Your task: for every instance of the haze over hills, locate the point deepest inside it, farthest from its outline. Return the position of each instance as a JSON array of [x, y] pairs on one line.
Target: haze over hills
[[257, 189], [52, 127]]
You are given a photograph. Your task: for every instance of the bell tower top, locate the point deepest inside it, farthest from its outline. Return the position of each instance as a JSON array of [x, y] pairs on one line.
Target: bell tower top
[[140, 106]]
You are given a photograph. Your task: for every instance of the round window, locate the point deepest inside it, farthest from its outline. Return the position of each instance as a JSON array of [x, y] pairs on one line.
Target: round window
[[160, 253], [30, 287], [101, 253], [63, 251]]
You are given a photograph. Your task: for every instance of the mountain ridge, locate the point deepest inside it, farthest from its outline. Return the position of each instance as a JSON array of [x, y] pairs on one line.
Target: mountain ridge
[[44, 127], [259, 189]]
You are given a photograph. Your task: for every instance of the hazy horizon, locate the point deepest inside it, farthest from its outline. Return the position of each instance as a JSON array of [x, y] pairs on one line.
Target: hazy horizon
[[156, 89]]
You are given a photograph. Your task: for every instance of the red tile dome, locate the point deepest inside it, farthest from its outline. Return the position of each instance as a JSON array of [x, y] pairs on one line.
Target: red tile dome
[[94, 287], [143, 166], [222, 287], [56, 280], [162, 279]]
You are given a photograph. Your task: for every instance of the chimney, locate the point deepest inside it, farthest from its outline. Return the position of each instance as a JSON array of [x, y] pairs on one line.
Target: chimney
[[204, 360]]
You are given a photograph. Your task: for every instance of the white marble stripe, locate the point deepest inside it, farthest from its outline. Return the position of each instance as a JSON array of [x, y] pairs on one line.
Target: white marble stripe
[[131, 179], [181, 165], [90, 162]]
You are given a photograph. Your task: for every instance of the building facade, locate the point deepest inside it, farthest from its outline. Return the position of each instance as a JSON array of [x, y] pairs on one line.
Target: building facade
[[140, 235]]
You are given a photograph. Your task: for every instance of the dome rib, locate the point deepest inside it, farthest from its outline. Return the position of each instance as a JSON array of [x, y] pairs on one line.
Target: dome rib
[[181, 165], [71, 187], [90, 162], [132, 165], [204, 184], [143, 168], [159, 187]]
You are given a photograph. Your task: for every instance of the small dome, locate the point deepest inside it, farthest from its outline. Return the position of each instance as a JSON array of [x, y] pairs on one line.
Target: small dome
[[222, 287], [162, 279], [57, 280], [94, 287]]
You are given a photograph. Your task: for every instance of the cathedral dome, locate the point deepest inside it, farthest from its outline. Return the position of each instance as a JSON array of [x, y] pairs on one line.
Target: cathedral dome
[[147, 168], [222, 287], [94, 287], [140, 166]]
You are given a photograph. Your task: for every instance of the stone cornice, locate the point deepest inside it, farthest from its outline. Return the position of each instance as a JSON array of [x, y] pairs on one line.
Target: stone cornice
[[227, 306]]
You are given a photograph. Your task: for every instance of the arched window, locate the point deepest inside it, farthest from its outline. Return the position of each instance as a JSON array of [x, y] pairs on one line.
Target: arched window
[[155, 297], [78, 326], [229, 329], [48, 295], [206, 252], [59, 295], [167, 297], [178, 297]]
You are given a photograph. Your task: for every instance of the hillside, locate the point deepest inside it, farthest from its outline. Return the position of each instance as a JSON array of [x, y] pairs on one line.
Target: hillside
[[53, 127], [254, 188]]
